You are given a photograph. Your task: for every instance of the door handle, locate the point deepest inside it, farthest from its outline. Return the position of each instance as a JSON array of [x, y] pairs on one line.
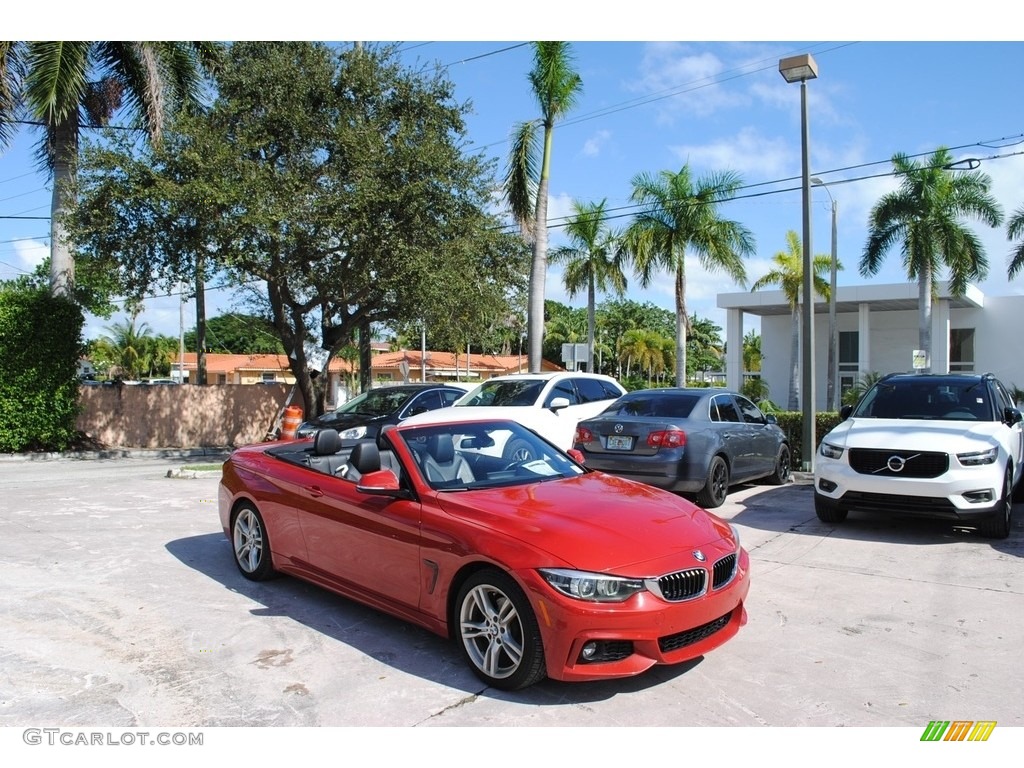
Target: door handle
[[315, 491]]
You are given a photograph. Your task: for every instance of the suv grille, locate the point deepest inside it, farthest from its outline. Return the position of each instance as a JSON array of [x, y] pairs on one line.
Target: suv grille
[[872, 461]]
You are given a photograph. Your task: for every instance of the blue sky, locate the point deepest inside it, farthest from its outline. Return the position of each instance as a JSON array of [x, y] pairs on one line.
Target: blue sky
[[652, 106]]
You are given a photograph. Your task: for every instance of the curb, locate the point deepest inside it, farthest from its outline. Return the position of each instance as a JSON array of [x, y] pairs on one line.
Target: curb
[[120, 453]]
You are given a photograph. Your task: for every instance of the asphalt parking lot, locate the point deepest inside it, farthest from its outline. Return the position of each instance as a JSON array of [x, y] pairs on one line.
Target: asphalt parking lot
[[122, 607]]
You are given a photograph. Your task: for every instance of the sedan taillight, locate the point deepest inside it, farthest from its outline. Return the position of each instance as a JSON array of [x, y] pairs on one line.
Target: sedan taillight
[[583, 435], [666, 438]]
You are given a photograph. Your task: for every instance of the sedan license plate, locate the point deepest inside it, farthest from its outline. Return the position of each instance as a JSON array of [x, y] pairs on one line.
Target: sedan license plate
[[620, 443]]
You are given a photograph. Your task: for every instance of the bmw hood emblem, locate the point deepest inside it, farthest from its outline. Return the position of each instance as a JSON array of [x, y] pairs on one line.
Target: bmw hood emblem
[[699, 556]]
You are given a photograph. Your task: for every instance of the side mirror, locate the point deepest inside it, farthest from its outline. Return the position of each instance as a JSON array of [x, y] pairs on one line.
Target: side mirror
[[769, 418], [380, 483], [559, 403], [1011, 416], [576, 456], [844, 412]]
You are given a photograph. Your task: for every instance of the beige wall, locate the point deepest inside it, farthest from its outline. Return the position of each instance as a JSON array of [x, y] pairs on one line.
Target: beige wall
[[181, 416]]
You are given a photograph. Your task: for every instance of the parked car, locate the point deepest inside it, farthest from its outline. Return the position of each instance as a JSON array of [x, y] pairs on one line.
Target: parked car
[[946, 446], [535, 568], [364, 415], [548, 403], [689, 440]]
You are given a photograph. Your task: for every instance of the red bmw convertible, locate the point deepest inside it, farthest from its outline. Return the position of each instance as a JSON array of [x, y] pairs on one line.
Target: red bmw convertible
[[537, 568]]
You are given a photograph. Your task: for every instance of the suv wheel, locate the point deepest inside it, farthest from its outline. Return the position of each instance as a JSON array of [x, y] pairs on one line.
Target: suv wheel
[[827, 510], [998, 525]]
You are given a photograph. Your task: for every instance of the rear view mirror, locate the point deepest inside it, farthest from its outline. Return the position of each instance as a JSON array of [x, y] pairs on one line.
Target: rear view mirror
[[380, 483], [844, 412], [1011, 416], [559, 403], [576, 456]]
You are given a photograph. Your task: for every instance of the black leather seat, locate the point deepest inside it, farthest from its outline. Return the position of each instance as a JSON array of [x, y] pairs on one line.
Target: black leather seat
[[365, 458], [442, 464], [326, 444]]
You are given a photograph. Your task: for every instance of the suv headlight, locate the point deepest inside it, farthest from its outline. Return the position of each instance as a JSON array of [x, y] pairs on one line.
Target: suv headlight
[[356, 433], [976, 458], [830, 451], [594, 587]]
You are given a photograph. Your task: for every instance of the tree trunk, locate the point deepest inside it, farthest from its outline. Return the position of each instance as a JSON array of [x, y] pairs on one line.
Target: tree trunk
[[924, 328], [794, 361], [538, 277], [681, 322], [65, 155], [591, 320]]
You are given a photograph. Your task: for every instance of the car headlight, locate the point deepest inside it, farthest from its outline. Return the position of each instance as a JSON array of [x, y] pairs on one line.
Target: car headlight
[[830, 451], [976, 458], [356, 433], [594, 587]]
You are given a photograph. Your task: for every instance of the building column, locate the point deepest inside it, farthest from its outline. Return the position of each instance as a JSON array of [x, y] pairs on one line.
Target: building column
[[863, 339], [734, 349]]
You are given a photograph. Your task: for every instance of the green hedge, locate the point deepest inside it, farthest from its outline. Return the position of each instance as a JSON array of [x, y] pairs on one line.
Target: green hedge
[[792, 423], [40, 345]]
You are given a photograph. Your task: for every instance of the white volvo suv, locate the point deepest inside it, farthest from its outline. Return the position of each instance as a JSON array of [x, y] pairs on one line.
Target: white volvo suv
[[946, 446]]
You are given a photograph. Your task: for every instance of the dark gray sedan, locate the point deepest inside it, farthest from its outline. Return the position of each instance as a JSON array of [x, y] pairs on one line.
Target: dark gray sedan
[[693, 441]]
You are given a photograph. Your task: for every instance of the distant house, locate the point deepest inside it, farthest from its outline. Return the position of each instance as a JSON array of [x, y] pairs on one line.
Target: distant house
[[387, 368]]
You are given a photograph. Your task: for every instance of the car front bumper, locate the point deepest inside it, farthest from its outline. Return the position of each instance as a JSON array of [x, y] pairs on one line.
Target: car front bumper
[[637, 634], [960, 493]]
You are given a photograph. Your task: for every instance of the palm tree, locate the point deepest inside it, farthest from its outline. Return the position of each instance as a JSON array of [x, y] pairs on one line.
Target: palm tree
[[556, 86], [129, 350], [677, 213], [591, 263], [648, 349], [65, 86], [925, 215], [1015, 231], [788, 274]]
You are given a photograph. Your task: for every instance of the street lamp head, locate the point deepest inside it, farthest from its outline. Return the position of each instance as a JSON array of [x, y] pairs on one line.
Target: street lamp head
[[797, 68]]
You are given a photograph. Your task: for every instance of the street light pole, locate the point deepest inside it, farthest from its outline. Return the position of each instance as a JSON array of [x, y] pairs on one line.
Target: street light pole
[[832, 397], [803, 68]]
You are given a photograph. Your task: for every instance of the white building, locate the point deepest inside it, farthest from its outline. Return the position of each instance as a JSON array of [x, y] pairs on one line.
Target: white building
[[878, 332]]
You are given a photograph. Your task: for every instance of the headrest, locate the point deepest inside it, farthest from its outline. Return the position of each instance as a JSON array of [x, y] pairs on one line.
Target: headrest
[[326, 442], [441, 447], [365, 457]]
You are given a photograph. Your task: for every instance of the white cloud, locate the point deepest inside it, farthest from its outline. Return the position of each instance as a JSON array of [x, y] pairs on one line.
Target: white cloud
[[592, 147], [746, 152], [31, 253]]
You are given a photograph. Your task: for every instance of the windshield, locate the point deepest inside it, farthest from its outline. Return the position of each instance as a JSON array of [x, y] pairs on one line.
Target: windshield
[[937, 399], [376, 402], [504, 392], [655, 404], [468, 456]]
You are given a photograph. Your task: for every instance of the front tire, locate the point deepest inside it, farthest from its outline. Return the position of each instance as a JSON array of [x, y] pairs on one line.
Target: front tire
[[827, 510], [250, 544], [518, 451], [498, 632], [716, 487], [998, 525], [780, 475]]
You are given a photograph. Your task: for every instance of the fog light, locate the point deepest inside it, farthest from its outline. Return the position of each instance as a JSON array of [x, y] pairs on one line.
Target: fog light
[[978, 497], [589, 651], [826, 485]]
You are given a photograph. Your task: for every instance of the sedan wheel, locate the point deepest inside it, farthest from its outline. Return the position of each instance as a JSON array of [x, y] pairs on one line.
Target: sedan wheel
[[717, 485], [499, 632], [251, 545], [780, 475], [998, 526]]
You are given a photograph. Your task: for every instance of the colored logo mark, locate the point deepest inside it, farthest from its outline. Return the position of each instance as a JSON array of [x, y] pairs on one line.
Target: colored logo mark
[[958, 730]]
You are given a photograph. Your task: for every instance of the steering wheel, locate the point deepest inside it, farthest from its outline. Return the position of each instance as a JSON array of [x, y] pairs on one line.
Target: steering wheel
[[516, 464]]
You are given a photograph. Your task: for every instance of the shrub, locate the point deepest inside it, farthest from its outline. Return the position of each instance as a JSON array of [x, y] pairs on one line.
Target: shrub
[[792, 423], [40, 345]]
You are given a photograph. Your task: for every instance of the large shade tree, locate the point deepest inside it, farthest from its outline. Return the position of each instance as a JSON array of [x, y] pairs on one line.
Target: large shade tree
[[332, 185], [788, 274], [680, 215], [592, 262], [556, 86], [64, 86], [925, 217]]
